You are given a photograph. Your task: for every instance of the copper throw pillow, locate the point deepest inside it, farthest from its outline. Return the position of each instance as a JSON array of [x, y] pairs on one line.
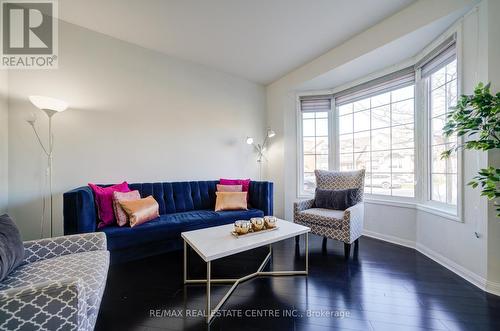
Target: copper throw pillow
[[140, 211], [231, 201]]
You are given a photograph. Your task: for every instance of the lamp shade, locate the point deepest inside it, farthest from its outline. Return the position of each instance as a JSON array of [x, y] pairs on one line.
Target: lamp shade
[[47, 103]]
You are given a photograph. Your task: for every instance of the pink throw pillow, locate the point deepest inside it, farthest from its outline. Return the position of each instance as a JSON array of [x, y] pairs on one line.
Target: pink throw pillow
[[229, 188], [120, 215], [104, 202], [245, 183]]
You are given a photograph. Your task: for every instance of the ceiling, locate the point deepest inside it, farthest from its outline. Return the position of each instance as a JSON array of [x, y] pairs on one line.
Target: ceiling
[[395, 52], [259, 40]]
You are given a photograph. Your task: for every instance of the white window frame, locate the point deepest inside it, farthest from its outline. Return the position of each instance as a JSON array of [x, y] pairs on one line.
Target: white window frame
[[421, 201], [382, 197], [426, 203], [300, 146]]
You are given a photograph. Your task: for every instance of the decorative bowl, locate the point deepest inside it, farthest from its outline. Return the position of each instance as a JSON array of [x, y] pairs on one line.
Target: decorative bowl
[[257, 223], [270, 221], [242, 227]]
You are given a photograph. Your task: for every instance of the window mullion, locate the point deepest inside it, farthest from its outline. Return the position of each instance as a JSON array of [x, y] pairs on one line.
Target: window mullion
[[333, 145]]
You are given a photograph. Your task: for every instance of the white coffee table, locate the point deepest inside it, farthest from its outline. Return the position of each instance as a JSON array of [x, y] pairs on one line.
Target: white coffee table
[[217, 242]]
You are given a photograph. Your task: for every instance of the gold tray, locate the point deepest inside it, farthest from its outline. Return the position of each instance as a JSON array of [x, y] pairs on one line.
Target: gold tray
[[252, 232]]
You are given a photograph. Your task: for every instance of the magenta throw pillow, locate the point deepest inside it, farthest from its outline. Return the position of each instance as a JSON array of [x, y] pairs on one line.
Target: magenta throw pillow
[[104, 201], [120, 215]]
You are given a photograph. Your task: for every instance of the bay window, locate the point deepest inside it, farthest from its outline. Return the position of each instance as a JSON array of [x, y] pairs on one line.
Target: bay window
[[392, 126], [377, 134]]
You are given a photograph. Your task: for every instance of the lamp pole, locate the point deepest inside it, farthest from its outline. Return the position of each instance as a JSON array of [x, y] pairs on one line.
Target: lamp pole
[[260, 148], [50, 113], [49, 106]]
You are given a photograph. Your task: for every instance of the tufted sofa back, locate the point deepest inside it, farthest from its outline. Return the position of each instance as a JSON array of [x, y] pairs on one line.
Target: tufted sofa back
[[179, 196], [80, 212]]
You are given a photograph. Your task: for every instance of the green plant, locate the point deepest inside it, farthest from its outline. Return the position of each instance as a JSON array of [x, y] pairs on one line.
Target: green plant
[[477, 118]]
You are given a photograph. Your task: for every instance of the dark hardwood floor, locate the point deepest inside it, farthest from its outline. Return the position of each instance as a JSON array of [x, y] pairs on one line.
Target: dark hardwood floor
[[386, 287]]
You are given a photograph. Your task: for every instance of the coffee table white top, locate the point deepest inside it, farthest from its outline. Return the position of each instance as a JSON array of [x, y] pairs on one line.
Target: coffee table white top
[[217, 242]]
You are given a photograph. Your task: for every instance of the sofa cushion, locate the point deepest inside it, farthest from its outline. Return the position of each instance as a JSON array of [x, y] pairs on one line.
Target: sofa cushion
[[170, 226], [91, 268], [229, 216]]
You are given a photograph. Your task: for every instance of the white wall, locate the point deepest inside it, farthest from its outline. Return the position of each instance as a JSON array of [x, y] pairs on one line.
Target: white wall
[[134, 115], [392, 223], [4, 135]]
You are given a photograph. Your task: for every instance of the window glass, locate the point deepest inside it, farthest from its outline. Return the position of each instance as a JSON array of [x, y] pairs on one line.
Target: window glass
[[315, 141], [442, 92], [382, 141]]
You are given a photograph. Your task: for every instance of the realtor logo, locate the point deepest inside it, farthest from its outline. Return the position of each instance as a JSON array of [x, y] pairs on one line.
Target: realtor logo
[[29, 34]]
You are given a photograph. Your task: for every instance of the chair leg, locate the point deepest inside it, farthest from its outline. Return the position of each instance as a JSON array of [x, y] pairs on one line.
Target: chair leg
[[347, 250], [323, 246], [297, 240], [356, 248]]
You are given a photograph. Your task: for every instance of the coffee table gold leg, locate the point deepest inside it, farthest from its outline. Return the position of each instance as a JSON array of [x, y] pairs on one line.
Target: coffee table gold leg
[[209, 313], [185, 262], [307, 253]]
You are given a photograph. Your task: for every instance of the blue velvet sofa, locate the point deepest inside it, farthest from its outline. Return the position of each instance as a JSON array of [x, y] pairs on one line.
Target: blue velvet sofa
[[184, 206]]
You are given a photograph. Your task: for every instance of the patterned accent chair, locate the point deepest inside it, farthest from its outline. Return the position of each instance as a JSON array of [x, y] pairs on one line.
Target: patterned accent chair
[[344, 225], [59, 286]]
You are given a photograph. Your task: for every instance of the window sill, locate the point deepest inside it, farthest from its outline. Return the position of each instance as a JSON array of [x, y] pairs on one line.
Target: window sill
[[392, 203], [447, 213], [434, 210]]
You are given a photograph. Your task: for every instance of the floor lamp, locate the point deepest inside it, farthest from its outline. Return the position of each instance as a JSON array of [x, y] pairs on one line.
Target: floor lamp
[[51, 107], [260, 148]]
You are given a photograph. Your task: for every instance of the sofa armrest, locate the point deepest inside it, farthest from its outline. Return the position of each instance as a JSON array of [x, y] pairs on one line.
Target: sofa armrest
[[47, 248], [61, 305], [302, 205], [80, 215], [261, 196]]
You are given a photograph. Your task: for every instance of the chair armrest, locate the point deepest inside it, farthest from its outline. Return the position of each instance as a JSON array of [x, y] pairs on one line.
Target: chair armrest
[[353, 222], [80, 215], [63, 302], [302, 205], [356, 211], [260, 196], [47, 248]]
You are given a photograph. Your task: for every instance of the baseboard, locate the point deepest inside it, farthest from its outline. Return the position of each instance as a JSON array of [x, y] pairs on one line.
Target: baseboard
[[466, 274], [471, 277], [493, 288], [389, 238]]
